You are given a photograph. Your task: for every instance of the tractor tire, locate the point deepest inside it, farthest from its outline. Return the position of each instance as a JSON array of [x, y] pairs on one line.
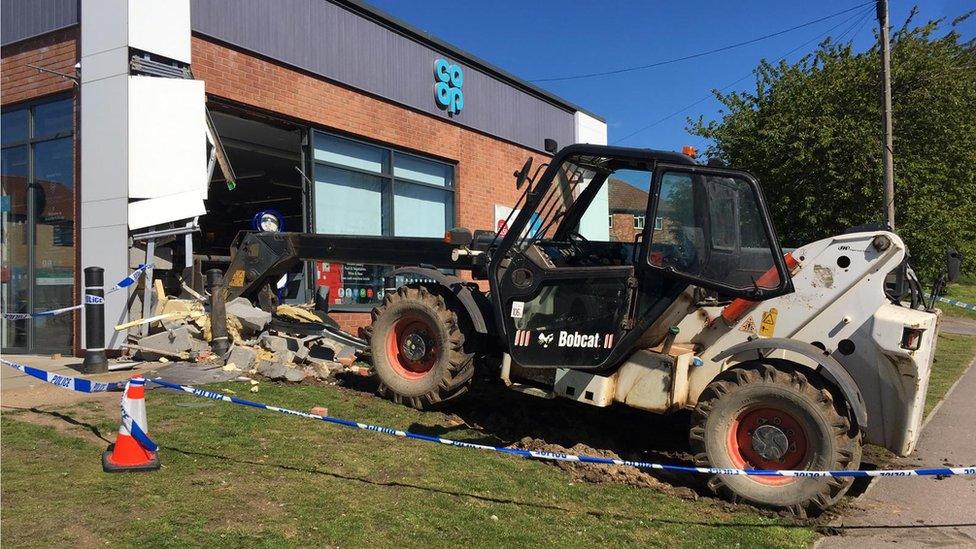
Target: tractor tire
[[772, 415], [417, 347]]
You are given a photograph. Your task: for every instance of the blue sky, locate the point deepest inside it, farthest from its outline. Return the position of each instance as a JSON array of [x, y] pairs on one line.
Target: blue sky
[[550, 38]]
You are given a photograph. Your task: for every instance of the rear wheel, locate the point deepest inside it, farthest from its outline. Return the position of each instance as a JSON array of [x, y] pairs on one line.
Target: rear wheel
[[771, 415], [418, 349]]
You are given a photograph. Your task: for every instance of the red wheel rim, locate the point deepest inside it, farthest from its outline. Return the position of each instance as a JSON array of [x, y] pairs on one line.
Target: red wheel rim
[[781, 442], [406, 331]]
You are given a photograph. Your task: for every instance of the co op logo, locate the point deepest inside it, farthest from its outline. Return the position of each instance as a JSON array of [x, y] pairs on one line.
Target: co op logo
[[448, 79]]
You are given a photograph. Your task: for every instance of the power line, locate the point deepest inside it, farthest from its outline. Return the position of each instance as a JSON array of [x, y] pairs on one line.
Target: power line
[[863, 16], [703, 53]]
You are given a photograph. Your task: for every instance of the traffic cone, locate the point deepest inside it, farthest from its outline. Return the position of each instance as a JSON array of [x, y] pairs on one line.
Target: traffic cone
[[133, 449]]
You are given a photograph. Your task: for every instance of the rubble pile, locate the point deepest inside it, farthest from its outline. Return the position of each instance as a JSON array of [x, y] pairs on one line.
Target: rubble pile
[[287, 346]]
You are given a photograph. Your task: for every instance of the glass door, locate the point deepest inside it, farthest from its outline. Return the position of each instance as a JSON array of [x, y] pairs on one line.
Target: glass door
[[37, 207]]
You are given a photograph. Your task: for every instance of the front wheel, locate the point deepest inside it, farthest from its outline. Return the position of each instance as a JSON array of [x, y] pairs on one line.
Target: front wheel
[[771, 415], [418, 350]]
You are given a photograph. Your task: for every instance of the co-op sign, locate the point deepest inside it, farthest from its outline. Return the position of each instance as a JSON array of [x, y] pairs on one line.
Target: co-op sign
[[448, 79]]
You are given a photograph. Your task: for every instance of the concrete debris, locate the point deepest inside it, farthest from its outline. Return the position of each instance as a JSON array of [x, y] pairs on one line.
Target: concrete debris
[[294, 374], [181, 332], [242, 357], [252, 319], [285, 357], [272, 370], [172, 342], [275, 344]]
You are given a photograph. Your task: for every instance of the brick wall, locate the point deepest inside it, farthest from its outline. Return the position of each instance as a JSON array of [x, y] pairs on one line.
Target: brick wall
[[484, 165], [623, 227], [57, 51]]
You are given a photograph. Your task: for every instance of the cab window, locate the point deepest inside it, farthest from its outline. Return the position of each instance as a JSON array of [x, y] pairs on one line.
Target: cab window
[[713, 229]]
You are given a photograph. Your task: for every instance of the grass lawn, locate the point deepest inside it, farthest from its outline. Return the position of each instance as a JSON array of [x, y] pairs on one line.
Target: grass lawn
[[233, 476], [965, 291]]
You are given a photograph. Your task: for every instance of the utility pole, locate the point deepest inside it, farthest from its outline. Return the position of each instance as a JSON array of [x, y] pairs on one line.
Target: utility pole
[[888, 152]]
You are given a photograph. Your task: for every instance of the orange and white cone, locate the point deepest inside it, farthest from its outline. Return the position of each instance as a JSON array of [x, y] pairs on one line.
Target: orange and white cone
[[133, 449]]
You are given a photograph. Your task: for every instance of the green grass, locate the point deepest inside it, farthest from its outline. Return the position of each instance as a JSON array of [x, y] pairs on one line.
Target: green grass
[[965, 291], [234, 476], [953, 353]]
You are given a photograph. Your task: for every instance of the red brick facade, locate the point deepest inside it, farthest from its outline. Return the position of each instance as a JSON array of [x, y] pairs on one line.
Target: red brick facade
[[484, 165], [57, 51]]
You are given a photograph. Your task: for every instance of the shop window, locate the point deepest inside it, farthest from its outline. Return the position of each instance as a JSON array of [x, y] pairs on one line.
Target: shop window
[[37, 202], [365, 189]]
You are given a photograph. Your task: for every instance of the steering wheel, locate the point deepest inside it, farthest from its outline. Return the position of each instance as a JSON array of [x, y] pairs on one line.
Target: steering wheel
[[581, 245]]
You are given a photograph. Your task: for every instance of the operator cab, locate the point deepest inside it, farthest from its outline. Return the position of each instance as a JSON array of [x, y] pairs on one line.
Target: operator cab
[[574, 294]]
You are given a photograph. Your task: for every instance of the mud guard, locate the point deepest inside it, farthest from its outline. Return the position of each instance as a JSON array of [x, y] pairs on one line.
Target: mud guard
[[831, 369], [475, 303]]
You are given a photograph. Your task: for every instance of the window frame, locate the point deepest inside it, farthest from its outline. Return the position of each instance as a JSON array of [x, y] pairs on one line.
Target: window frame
[[30, 142], [388, 188], [639, 221]]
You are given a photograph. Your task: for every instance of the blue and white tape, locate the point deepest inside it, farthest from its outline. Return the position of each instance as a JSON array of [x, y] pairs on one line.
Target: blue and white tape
[[131, 279], [556, 456], [89, 298], [960, 304], [130, 425], [77, 384]]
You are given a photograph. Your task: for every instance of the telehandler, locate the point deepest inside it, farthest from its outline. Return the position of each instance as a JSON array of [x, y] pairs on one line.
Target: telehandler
[[787, 361]]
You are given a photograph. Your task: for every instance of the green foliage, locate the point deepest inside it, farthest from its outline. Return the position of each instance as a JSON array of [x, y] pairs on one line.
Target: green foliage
[[811, 132]]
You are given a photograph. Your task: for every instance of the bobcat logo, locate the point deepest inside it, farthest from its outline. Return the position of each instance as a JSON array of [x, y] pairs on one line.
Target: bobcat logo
[[545, 340]]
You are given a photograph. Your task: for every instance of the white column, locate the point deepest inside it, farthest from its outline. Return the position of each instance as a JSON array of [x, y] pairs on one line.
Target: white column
[[108, 29], [594, 224]]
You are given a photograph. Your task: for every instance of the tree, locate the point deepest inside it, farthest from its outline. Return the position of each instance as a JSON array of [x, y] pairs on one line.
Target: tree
[[811, 132]]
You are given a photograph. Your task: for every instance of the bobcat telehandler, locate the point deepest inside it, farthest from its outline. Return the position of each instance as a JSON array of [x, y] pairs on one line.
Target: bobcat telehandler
[[786, 361]]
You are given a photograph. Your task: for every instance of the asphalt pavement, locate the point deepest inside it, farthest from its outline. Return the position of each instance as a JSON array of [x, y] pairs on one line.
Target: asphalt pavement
[[923, 511]]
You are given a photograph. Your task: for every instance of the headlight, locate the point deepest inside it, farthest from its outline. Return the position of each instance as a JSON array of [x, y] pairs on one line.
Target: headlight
[[269, 221]]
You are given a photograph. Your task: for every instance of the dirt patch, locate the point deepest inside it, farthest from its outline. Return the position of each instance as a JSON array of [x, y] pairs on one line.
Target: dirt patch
[[600, 473]]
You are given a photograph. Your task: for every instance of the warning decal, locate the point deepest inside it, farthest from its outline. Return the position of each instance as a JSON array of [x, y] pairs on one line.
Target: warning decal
[[749, 326], [768, 324]]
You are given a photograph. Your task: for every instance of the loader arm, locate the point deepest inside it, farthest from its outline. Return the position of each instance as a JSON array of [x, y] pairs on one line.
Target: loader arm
[[261, 258]]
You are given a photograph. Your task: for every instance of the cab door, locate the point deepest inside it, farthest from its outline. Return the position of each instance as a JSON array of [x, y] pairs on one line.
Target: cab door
[[713, 230]]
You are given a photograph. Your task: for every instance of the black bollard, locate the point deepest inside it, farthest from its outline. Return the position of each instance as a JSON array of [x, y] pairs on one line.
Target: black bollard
[[95, 361], [219, 343]]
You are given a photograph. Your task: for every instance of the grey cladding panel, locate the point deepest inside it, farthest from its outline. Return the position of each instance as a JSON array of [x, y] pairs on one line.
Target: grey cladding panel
[[328, 40], [21, 19]]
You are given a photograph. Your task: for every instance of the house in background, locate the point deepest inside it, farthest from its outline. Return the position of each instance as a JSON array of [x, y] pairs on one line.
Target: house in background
[[628, 208]]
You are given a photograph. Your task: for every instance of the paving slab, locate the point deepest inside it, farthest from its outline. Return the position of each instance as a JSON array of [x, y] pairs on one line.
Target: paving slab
[[958, 325], [923, 511]]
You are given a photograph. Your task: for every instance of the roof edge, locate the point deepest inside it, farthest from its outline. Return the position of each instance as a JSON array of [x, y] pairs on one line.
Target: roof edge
[[396, 24]]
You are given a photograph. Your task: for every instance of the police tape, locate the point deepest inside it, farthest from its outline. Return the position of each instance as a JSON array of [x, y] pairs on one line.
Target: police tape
[[130, 425], [955, 303], [77, 384], [89, 298], [557, 456]]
